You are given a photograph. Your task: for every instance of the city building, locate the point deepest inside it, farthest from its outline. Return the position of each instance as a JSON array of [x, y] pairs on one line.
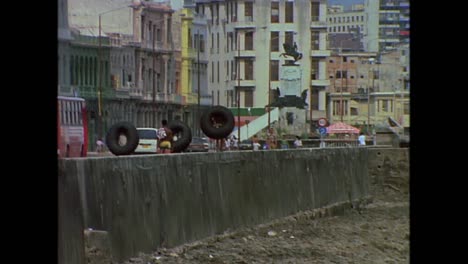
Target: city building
[[388, 24], [64, 42], [367, 87], [245, 44]]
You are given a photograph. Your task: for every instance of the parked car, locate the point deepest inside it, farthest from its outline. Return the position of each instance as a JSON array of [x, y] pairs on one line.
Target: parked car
[[246, 144], [198, 144], [148, 140]]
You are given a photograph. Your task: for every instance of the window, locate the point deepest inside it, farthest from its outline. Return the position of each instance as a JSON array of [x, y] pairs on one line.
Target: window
[[338, 105], [354, 111], [289, 10], [217, 42], [248, 41], [150, 31], [158, 34], [212, 41], [142, 27], [249, 69], [202, 44], [195, 44], [274, 70], [315, 11], [314, 69], [274, 39], [248, 98], [314, 40], [212, 71], [384, 105], [274, 12], [190, 38], [248, 13], [341, 74], [406, 108], [218, 71]]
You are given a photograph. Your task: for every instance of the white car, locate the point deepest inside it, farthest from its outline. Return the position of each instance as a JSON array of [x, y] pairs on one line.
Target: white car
[[148, 142]]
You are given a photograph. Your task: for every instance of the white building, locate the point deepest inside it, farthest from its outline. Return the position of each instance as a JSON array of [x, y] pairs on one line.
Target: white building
[[254, 33]]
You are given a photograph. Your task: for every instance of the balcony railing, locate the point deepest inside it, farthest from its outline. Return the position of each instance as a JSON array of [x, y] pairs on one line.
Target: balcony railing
[[317, 23], [320, 53], [322, 82]]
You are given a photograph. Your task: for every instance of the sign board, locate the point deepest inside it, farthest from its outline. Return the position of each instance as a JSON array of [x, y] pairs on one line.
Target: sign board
[[322, 122], [322, 131]]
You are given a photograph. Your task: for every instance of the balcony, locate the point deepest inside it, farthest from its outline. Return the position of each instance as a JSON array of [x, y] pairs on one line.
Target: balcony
[[135, 93], [245, 83], [320, 53], [316, 23], [320, 82], [176, 98], [245, 53], [248, 23]]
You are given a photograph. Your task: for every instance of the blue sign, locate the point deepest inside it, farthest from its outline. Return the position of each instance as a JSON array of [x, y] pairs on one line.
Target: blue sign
[[322, 131]]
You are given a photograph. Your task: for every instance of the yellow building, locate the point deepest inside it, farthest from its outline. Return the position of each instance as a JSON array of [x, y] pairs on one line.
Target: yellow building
[[186, 82]]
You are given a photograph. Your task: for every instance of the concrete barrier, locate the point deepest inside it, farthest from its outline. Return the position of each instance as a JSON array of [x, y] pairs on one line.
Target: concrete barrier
[[150, 201]]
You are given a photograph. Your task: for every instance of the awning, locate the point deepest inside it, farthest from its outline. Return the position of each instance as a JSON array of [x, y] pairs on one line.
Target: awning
[[342, 128]]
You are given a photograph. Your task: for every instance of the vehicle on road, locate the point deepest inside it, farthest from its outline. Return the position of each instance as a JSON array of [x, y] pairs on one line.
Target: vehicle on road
[[246, 144], [198, 144], [148, 140], [72, 127]]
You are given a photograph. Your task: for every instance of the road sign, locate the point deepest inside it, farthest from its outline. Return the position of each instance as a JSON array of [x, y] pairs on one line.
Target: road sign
[[322, 131], [322, 122]]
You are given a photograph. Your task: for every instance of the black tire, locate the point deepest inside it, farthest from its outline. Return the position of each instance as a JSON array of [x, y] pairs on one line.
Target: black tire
[[183, 133], [112, 138], [223, 116]]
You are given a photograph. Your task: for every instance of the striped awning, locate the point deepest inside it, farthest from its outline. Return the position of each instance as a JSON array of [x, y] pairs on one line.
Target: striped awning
[[342, 128]]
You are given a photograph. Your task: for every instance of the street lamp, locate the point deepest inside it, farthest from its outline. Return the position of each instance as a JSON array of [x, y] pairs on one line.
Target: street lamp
[[99, 93], [368, 95], [238, 84], [198, 79]]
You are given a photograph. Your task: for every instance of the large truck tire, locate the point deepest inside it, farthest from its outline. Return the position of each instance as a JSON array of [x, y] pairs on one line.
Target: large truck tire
[[183, 134], [129, 132], [217, 122]]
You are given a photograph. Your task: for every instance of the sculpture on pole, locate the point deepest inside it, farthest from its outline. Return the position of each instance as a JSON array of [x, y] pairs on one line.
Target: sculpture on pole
[[291, 51]]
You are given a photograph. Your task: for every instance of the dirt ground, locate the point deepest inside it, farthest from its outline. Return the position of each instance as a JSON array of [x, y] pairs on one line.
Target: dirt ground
[[375, 233]]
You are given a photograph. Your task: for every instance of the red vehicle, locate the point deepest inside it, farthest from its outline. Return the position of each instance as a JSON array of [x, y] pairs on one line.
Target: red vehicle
[[72, 127]]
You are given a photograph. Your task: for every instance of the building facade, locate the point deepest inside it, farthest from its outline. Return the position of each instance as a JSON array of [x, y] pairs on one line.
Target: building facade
[[245, 45], [367, 88]]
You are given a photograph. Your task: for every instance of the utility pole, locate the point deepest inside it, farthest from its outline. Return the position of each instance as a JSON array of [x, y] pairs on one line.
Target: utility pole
[[154, 80], [238, 86], [198, 79], [269, 84], [99, 94], [341, 83]]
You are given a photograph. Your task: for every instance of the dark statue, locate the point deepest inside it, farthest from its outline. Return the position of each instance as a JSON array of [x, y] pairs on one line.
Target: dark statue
[[291, 51]]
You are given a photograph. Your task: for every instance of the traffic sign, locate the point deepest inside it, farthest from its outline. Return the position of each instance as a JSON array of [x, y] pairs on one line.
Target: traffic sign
[[322, 131], [322, 122]]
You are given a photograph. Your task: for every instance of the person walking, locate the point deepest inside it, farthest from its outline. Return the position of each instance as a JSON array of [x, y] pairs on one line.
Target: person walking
[[165, 137], [298, 142], [362, 139]]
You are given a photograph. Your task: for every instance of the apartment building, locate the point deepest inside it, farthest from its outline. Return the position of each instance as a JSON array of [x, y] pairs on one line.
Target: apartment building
[[380, 25], [367, 88], [244, 43], [388, 24]]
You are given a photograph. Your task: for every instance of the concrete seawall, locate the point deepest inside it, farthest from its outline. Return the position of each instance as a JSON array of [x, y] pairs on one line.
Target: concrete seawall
[[145, 202]]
